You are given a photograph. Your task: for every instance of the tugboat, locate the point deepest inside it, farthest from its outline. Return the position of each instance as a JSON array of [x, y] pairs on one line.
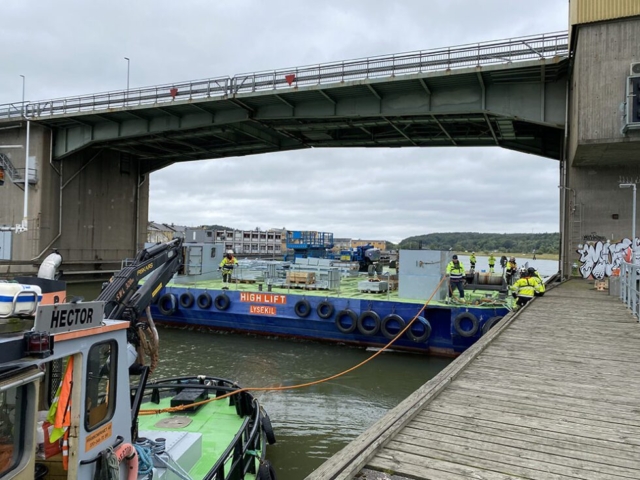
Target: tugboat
[[76, 400]]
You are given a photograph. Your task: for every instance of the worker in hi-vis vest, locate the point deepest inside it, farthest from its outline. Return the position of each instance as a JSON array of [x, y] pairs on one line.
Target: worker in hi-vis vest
[[226, 265], [512, 269], [455, 272], [492, 263], [525, 288]]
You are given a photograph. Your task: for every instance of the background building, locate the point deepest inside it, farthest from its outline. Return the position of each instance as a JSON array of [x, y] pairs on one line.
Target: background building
[[381, 244]]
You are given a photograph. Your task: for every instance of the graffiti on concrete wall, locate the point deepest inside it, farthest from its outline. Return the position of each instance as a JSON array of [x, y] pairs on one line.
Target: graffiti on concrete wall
[[599, 259]]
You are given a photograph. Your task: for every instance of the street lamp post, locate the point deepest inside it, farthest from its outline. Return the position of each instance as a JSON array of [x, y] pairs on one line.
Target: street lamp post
[[633, 247], [128, 65], [23, 82]]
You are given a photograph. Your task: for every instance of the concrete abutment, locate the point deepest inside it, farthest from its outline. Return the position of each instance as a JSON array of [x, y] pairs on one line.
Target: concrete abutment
[[91, 206], [600, 154]]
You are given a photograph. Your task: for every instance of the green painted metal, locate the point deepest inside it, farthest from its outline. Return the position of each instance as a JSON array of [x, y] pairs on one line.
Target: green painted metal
[[349, 289], [216, 421]]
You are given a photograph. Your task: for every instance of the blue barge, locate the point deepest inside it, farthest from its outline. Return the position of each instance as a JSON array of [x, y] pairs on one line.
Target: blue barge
[[349, 315]]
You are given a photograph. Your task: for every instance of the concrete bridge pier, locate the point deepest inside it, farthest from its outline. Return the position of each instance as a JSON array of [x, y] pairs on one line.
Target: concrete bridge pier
[[91, 205], [603, 142]]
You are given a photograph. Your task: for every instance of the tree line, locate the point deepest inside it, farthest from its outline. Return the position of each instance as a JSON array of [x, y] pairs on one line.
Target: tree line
[[484, 242]]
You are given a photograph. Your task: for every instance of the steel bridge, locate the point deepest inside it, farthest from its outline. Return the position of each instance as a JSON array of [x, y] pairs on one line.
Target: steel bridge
[[508, 93]]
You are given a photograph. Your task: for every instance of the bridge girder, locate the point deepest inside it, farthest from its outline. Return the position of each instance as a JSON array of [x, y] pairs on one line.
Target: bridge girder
[[518, 106]]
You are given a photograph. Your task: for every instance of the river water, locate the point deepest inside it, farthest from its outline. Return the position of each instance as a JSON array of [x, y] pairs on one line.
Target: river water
[[310, 424], [313, 423]]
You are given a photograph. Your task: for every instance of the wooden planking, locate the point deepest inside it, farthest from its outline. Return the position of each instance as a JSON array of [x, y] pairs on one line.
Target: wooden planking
[[505, 459], [554, 394], [497, 437], [534, 434], [352, 458]]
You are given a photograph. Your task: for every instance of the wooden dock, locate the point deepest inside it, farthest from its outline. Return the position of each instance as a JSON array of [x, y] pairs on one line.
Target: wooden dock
[[552, 392]]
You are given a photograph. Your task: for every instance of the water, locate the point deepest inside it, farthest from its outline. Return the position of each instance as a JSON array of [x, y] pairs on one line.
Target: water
[[310, 424]]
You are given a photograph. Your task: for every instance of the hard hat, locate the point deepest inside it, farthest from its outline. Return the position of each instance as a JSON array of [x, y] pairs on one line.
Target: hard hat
[[229, 252], [531, 270], [513, 259]]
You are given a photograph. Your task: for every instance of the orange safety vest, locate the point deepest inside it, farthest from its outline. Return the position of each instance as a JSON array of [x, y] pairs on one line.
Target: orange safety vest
[[61, 413]]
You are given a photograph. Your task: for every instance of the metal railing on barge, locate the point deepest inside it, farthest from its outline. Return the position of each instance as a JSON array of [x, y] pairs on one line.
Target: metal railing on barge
[[533, 47]]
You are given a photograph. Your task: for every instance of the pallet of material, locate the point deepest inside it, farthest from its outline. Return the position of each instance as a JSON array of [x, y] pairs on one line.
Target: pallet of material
[[306, 278], [372, 287]]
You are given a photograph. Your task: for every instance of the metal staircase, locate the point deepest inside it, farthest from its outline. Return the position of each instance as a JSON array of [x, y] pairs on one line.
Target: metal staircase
[[17, 174]]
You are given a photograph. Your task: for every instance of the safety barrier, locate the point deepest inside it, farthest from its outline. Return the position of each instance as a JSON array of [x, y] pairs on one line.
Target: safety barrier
[[629, 292]]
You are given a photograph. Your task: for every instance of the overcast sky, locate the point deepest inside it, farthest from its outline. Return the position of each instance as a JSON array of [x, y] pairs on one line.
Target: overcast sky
[[71, 47]]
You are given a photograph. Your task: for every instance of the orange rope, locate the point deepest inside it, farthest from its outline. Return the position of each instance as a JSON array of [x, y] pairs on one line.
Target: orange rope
[[178, 408]]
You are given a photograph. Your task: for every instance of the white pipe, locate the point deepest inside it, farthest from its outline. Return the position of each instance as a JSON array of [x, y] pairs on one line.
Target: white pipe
[[26, 176]]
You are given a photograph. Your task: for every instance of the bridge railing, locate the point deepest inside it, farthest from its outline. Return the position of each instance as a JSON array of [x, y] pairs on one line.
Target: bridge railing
[[120, 98], [629, 288], [470, 55]]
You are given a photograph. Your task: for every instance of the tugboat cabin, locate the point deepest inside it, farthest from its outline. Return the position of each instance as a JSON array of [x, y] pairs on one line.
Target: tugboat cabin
[[64, 392]]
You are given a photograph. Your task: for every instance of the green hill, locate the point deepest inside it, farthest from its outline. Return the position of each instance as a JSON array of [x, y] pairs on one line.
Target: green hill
[[485, 242]]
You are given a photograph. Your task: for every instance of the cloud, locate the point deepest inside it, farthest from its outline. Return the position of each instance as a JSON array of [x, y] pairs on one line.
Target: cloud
[[71, 47]]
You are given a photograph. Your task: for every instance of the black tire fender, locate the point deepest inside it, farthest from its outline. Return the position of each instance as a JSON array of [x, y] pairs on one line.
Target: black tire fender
[[186, 300], [266, 471], [302, 308], [325, 309], [424, 336], [369, 315], [222, 302], [457, 324], [351, 315], [392, 317], [168, 304], [204, 301], [268, 429], [489, 324]]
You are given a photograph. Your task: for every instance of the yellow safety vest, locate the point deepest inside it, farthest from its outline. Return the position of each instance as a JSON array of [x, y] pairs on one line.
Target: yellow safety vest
[[455, 272], [526, 287]]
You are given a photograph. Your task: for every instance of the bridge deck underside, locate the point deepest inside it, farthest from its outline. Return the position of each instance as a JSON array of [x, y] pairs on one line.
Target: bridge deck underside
[[516, 106]]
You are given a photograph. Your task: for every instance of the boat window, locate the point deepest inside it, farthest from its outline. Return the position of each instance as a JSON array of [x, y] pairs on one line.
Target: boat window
[[12, 418], [102, 369], [52, 378], [213, 252]]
